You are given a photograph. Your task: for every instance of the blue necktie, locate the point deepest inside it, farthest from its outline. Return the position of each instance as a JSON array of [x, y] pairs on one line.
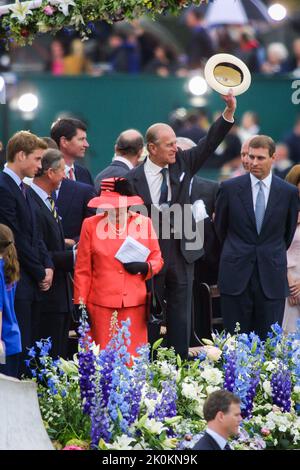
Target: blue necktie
[[164, 187], [260, 207], [227, 447], [23, 189]]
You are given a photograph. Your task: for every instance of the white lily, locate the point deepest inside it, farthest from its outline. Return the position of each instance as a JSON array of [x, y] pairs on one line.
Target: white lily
[[63, 5], [20, 11]]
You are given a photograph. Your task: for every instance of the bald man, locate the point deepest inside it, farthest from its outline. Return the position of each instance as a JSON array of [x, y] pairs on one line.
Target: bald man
[[163, 181], [128, 150]]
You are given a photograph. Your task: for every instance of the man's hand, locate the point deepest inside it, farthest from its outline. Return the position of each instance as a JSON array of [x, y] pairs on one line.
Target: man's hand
[[69, 242], [47, 281], [230, 101]]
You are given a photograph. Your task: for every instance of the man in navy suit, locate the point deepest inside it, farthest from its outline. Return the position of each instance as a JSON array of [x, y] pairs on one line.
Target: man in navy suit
[[128, 151], [24, 154], [222, 412], [71, 138], [163, 181], [256, 218], [55, 304]]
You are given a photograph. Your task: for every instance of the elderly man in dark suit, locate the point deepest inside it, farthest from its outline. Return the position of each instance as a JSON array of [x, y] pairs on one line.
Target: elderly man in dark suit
[[163, 180], [56, 304], [256, 218], [128, 150], [24, 154], [70, 136], [222, 412]]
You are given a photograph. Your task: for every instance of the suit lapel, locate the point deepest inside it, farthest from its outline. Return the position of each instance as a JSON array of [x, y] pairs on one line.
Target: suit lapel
[[245, 194], [274, 198], [141, 185], [174, 174], [65, 197], [47, 213]]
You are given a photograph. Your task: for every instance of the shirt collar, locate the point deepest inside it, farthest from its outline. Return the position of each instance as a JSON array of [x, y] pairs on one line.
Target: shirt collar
[[153, 168], [266, 181], [67, 169], [118, 158], [13, 175], [40, 192], [219, 439]]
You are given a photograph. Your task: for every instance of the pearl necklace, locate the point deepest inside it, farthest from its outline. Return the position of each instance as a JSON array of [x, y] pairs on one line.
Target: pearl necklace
[[114, 229]]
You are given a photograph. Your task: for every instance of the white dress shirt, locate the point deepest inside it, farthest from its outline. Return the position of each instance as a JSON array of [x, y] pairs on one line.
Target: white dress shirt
[[219, 439], [118, 158], [266, 185], [42, 194], [67, 171], [154, 179]]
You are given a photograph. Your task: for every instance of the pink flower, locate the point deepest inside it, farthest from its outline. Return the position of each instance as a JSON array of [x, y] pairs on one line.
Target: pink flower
[[48, 10], [72, 448], [265, 431]]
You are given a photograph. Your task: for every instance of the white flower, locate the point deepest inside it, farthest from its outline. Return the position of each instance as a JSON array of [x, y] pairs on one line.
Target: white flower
[[150, 405], [156, 427], [169, 443], [212, 352], [121, 443], [270, 366], [190, 390], [167, 369], [20, 11], [212, 375], [199, 408], [210, 389], [63, 5], [267, 387]]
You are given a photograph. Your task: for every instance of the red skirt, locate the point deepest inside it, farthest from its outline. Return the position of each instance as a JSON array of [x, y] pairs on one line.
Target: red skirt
[[101, 318]]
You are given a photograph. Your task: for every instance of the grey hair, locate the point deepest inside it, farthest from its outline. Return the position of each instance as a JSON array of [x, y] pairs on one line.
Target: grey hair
[[51, 159]]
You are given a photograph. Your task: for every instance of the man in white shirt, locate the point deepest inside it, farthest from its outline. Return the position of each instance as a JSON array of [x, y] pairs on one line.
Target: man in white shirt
[[163, 181], [222, 412], [256, 217]]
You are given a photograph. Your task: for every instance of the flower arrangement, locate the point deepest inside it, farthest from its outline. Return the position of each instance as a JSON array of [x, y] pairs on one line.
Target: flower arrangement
[[107, 400], [21, 21]]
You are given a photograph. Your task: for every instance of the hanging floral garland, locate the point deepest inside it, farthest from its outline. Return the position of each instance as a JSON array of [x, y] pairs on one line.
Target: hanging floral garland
[[20, 22]]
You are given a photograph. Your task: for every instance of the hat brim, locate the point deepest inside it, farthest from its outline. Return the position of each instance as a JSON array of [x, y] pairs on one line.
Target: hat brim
[[112, 200], [238, 75]]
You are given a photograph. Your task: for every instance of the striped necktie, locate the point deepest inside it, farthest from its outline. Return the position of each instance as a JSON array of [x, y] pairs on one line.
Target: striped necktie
[[53, 208], [23, 189], [71, 174]]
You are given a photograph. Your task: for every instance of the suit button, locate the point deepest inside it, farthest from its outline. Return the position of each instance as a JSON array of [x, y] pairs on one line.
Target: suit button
[[121, 272]]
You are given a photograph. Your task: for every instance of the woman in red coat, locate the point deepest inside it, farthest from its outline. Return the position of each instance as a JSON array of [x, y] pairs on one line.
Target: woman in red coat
[[102, 282]]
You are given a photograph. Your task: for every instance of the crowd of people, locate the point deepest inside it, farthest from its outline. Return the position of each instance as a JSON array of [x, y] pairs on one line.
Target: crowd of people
[[135, 48], [66, 239]]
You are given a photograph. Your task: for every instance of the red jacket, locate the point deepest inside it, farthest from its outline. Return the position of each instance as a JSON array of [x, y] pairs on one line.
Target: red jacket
[[99, 277]]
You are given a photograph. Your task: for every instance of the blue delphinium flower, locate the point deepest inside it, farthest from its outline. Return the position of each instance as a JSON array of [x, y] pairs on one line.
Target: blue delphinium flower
[[281, 389]]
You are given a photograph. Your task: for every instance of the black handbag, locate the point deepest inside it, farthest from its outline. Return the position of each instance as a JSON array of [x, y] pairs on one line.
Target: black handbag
[[156, 307]]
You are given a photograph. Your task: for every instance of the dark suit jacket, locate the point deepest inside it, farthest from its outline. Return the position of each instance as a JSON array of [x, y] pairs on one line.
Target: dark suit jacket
[[187, 163], [116, 168], [206, 268], [206, 442], [18, 214], [59, 297], [83, 175], [243, 247], [71, 204]]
